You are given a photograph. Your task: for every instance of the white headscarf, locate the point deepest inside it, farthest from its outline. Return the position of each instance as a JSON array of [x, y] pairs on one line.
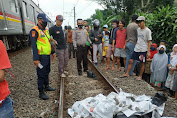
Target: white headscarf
[[173, 53], [173, 57], [162, 46]]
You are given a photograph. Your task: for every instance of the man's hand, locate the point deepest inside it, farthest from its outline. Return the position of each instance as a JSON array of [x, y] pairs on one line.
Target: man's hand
[[55, 42], [113, 49], [96, 39], [36, 62], [124, 47], [148, 54], [53, 57], [99, 35]]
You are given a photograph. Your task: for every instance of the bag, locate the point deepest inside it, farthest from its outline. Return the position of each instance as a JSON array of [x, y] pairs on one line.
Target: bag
[[159, 99], [90, 74]]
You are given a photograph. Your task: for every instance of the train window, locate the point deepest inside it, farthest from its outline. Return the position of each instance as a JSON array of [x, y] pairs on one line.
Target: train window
[[13, 6], [33, 13], [25, 9]]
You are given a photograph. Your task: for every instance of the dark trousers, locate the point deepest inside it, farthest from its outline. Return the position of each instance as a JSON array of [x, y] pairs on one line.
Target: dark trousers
[[43, 74], [91, 50], [81, 56], [71, 50]]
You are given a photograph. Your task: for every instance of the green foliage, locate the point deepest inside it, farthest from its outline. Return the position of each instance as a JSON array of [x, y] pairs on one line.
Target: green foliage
[[163, 24], [100, 15]]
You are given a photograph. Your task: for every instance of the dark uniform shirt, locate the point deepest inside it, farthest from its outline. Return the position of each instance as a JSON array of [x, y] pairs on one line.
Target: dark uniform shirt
[[58, 35], [33, 37]]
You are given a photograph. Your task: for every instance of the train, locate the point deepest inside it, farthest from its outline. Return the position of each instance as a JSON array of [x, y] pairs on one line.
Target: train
[[17, 17]]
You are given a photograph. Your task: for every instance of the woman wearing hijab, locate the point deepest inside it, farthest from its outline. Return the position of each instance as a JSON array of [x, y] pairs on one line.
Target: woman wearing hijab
[[147, 71], [172, 69], [159, 67]]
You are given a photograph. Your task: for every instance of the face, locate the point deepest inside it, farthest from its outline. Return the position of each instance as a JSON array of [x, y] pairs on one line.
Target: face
[[141, 24], [85, 23], [114, 25], [161, 48], [121, 25], [175, 49], [105, 29], [59, 22], [79, 22], [162, 43]]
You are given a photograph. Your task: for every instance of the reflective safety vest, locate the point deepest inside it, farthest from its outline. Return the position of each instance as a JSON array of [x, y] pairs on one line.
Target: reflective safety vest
[[43, 44]]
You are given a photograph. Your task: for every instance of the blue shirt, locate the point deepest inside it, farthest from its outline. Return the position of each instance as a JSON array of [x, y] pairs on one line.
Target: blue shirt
[[33, 37]]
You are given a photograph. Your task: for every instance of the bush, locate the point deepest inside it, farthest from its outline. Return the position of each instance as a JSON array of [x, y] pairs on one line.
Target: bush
[[162, 23]]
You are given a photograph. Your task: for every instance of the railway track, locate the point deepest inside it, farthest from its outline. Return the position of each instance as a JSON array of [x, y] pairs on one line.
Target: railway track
[[87, 88]]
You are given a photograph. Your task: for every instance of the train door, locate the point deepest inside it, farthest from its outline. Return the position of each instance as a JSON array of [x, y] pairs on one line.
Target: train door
[[3, 23], [33, 14]]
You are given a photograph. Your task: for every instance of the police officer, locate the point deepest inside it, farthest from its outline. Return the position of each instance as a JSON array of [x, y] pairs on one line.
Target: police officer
[[79, 41], [39, 36]]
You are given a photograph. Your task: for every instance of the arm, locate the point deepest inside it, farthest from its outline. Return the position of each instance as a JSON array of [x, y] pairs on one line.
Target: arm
[[33, 37], [74, 38], [149, 45], [114, 39], [91, 36], [103, 43], [2, 74]]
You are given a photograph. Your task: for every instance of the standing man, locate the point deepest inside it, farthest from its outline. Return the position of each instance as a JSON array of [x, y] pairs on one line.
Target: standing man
[[131, 42], [110, 52], [142, 47], [79, 41], [61, 51], [70, 42], [96, 38], [86, 24], [120, 40], [39, 36]]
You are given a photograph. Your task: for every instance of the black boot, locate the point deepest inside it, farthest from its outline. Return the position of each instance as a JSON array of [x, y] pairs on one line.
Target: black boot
[[48, 88], [80, 73], [43, 96]]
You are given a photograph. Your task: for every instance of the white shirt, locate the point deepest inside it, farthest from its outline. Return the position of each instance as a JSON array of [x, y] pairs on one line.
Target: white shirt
[[144, 35]]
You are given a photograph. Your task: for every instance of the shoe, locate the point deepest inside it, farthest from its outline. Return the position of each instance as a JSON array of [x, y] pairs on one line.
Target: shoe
[[62, 75], [80, 73], [48, 88], [43, 96], [96, 64], [65, 72]]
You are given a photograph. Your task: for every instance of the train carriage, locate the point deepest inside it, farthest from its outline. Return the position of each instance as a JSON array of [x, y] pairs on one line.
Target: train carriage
[[17, 17]]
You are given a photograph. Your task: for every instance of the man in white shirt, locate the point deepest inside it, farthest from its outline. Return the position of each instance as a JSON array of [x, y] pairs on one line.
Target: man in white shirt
[[142, 47]]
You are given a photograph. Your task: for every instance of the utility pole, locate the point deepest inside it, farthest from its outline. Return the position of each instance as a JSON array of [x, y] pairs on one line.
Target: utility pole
[[74, 17]]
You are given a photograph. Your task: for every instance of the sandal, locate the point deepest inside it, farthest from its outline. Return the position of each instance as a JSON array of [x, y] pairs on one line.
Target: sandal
[[107, 68], [124, 76], [112, 68], [139, 78], [118, 70]]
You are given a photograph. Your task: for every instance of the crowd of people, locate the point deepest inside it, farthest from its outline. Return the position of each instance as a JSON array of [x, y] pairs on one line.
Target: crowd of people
[[132, 44]]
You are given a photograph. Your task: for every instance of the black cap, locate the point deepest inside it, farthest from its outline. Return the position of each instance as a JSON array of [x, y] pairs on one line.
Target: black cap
[[43, 17]]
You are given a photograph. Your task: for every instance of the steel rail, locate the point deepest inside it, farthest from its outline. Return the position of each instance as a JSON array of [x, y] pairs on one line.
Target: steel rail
[[61, 98], [61, 103]]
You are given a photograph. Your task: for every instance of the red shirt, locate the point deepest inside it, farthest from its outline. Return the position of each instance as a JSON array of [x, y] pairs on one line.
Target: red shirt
[[4, 64], [120, 38]]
